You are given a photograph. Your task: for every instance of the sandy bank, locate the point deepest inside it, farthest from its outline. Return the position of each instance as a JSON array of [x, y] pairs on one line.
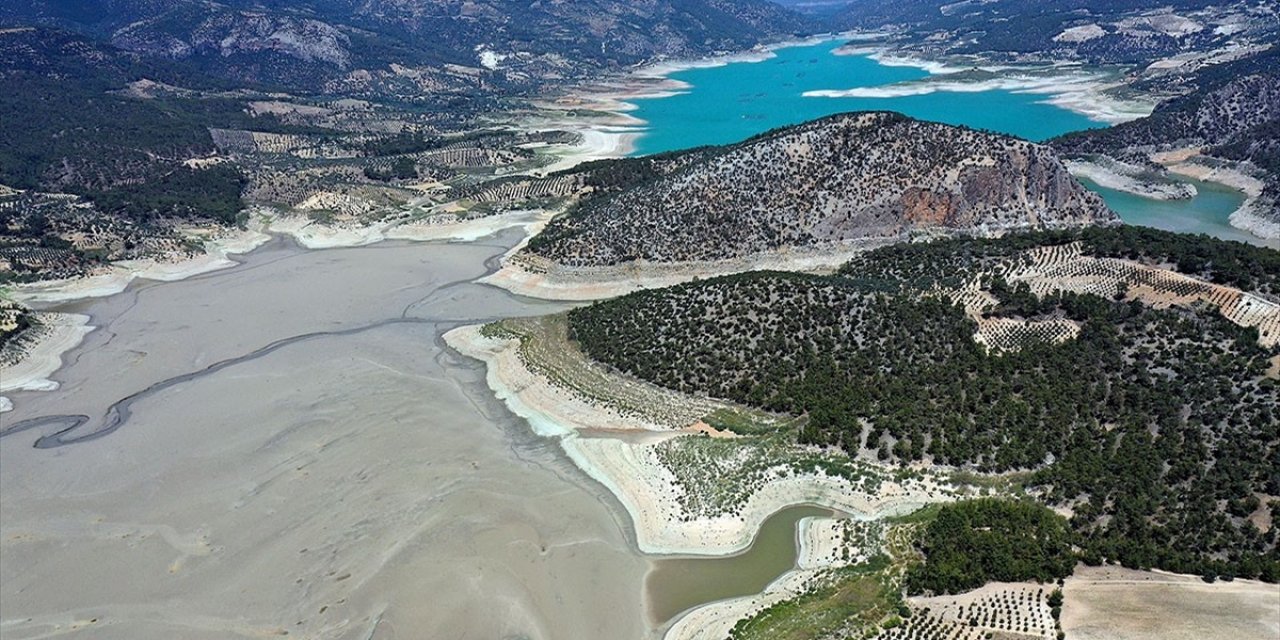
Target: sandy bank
[[539, 278], [1252, 218], [1225, 175], [633, 471], [314, 235], [37, 355], [1129, 178], [595, 143]]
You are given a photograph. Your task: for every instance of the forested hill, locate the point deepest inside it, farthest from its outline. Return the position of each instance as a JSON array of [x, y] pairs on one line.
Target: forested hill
[[403, 46], [1053, 353], [841, 179]]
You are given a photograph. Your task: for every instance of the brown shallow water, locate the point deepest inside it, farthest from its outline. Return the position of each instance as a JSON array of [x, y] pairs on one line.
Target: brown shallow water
[[309, 459], [680, 583]]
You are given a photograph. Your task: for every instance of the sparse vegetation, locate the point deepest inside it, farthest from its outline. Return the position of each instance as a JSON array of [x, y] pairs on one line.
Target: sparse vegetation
[[812, 185]]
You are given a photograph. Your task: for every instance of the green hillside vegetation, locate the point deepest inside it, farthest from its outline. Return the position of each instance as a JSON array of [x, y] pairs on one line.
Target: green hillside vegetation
[[1159, 428], [972, 542], [951, 262], [74, 131]]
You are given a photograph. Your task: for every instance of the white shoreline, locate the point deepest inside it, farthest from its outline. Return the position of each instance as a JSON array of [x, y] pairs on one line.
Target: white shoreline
[[1081, 92], [538, 277], [549, 281], [642, 484], [313, 235], [118, 276], [1128, 178], [61, 332]]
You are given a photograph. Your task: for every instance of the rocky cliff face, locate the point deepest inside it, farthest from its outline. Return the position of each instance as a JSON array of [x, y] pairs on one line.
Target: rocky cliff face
[[846, 178]]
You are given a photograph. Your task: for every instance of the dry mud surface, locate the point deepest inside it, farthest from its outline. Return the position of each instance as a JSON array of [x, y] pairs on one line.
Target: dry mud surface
[[287, 447], [1111, 603]]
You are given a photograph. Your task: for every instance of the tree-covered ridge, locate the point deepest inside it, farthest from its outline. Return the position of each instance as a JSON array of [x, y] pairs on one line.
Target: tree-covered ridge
[[74, 130], [1158, 427], [950, 263], [843, 179], [973, 542]]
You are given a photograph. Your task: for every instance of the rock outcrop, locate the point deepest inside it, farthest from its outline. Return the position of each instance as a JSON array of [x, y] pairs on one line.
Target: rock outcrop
[[839, 180]]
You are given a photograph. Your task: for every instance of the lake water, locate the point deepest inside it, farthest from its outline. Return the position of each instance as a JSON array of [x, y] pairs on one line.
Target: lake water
[[677, 584], [732, 102], [1206, 213], [735, 101]]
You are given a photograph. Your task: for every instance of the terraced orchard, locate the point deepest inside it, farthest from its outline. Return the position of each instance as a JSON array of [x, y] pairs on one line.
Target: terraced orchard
[[1154, 419]]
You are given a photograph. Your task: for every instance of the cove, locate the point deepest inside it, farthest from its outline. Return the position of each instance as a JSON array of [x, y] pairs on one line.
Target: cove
[[677, 584], [1206, 213]]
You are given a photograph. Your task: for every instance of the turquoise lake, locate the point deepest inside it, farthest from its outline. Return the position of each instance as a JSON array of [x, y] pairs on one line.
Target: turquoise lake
[[732, 102], [735, 101]]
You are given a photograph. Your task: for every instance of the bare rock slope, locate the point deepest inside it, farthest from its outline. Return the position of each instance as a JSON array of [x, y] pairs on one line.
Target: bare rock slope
[[837, 181]]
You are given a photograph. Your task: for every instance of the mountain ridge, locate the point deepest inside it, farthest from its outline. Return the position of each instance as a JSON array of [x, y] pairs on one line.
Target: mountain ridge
[[331, 45], [837, 179]]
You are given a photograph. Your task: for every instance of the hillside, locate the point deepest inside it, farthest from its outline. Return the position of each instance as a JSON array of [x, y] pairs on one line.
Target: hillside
[[407, 46], [111, 155], [1134, 398], [1230, 111], [140, 117], [834, 181]]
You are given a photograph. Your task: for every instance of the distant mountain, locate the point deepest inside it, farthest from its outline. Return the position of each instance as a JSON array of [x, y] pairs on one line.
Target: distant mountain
[[1113, 31], [844, 178], [348, 44]]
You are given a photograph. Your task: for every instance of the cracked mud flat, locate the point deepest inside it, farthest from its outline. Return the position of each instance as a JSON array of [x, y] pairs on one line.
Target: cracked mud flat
[[287, 446]]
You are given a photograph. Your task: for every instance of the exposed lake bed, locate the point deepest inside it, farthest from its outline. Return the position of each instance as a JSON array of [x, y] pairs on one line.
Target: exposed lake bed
[[358, 483]]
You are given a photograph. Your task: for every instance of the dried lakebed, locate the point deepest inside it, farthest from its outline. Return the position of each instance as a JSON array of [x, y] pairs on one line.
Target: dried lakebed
[[297, 452]]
